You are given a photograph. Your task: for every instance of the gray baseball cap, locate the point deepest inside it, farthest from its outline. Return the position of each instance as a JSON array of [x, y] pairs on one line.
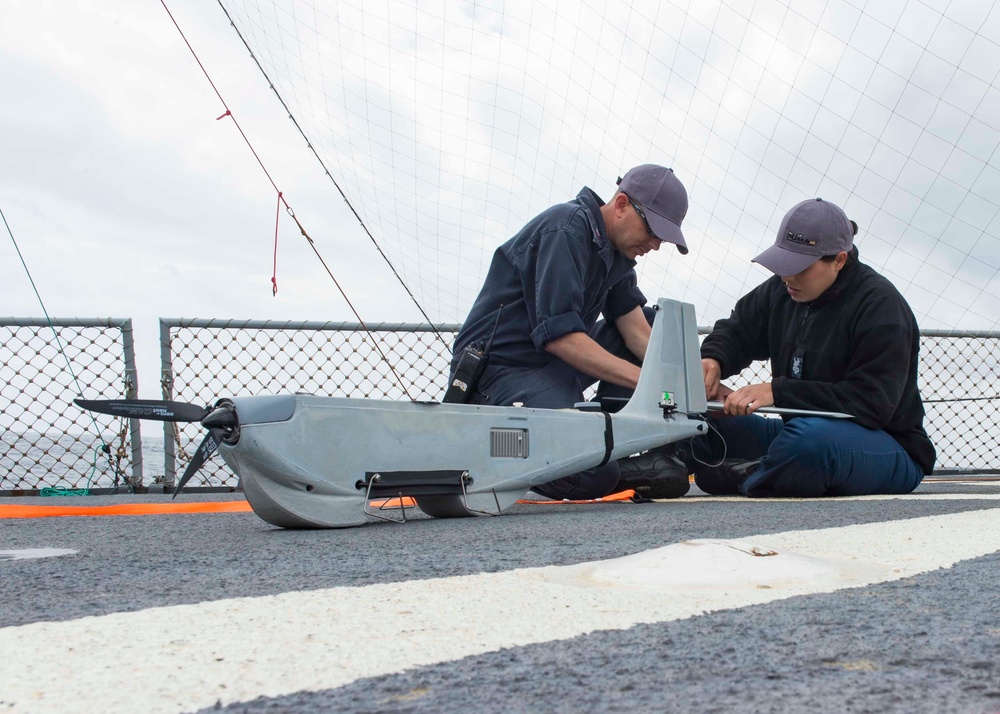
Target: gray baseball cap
[[663, 199], [809, 231]]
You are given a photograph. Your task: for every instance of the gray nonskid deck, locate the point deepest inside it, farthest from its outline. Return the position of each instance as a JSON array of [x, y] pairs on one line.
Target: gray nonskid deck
[[926, 643]]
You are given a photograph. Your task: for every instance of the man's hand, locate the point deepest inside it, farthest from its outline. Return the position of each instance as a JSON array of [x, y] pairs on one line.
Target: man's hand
[[712, 372], [747, 400]]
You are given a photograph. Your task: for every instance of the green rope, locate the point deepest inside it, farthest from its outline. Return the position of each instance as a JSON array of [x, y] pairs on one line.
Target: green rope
[[69, 366], [85, 491], [48, 319]]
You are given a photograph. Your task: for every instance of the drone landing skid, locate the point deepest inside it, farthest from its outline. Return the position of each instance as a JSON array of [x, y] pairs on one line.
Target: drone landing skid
[[439, 494]]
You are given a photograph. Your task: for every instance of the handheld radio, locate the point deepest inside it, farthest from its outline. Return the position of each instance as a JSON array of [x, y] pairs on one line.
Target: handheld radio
[[470, 368]]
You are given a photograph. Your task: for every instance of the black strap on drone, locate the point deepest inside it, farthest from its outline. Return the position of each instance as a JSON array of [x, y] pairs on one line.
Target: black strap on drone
[[609, 439]]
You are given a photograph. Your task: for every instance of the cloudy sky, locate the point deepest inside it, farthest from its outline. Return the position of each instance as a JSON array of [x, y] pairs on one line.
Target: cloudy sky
[[449, 127], [128, 199]]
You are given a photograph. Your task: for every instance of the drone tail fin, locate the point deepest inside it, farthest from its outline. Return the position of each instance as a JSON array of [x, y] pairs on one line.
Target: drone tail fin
[[672, 368]]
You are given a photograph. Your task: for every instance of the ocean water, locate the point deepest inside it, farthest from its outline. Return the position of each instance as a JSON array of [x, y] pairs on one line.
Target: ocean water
[[33, 460]]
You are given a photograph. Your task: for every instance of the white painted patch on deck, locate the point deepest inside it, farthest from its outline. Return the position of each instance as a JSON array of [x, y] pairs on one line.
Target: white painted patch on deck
[[29, 553], [187, 657], [725, 564]]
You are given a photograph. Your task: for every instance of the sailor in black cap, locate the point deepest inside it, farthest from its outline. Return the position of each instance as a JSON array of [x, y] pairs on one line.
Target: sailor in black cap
[[840, 338]]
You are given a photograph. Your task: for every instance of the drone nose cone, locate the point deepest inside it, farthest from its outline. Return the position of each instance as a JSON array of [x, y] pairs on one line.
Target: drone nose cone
[[220, 418]]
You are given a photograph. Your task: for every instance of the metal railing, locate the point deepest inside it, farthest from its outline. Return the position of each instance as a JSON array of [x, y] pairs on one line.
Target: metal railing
[[959, 375], [960, 385], [203, 359], [48, 442]]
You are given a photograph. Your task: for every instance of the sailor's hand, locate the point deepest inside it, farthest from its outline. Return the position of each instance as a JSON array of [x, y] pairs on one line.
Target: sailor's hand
[[747, 400], [712, 372]]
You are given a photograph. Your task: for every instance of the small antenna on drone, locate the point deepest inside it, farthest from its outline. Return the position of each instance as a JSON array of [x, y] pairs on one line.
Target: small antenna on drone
[[493, 333]]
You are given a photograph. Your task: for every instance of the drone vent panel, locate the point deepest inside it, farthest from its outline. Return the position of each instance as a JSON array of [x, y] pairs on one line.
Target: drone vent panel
[[511, 443]]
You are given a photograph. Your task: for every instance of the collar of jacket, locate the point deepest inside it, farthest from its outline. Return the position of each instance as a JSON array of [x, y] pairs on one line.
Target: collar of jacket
[[592, 202], [840, 284]]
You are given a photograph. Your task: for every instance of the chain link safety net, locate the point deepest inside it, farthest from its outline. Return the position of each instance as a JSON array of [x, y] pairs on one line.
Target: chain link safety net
[[226, 358], [46, 441], [960, 383], [216, 358], [961, 391]]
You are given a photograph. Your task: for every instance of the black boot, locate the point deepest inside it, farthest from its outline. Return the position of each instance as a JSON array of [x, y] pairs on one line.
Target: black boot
[[726, 478], [658, 473]]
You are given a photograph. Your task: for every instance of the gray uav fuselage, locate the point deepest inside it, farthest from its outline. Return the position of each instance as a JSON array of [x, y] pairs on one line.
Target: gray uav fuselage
[[307, 461]]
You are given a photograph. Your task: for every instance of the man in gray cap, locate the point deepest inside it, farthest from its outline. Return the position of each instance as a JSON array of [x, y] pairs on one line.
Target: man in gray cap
[[840, 338], [538, 312]]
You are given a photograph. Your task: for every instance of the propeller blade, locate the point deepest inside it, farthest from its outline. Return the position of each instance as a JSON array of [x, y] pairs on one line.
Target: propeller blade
[[145, 409], [204, 452]]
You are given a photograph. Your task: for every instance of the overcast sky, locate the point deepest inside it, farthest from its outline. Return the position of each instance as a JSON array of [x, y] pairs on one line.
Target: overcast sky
[[452, 124], [129, 199]]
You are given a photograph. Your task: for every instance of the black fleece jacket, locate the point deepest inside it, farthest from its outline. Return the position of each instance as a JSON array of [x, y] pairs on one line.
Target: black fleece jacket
[[855, 350]]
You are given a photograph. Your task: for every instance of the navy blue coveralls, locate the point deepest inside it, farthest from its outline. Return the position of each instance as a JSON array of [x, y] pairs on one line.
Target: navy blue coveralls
[[556, 276]]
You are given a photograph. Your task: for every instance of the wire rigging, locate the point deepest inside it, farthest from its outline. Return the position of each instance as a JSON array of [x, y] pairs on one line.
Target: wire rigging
[[282, 201], [69, 366], [41, 303], [336, 185]]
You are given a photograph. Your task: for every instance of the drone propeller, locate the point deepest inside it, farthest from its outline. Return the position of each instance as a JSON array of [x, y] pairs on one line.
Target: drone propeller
[[205, 450], [220, 421], [145, 409]]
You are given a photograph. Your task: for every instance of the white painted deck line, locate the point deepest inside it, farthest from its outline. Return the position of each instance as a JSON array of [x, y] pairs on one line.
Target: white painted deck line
[[32, 553], [186, 657]]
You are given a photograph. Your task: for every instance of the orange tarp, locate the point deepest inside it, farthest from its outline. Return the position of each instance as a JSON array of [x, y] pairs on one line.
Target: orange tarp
[[124, 509], [154, 509], [620, 496]]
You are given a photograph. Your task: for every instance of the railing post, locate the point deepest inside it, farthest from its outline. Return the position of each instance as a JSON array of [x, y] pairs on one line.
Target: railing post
[[131, 392], [167, 387]]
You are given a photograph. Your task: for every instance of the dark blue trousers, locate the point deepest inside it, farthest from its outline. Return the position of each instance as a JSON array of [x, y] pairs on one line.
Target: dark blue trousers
[[559, 386], [555, 386], [814, 456]]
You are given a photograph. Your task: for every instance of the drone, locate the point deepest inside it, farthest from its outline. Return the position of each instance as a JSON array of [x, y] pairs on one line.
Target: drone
[[307, 461]]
